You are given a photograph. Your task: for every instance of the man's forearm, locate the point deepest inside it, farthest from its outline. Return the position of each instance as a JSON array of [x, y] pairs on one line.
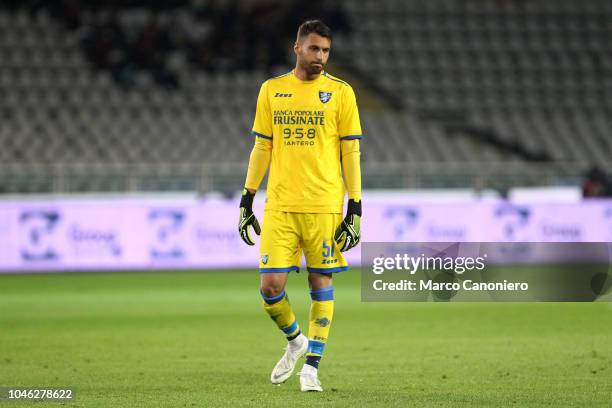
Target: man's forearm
[[258, 164], [351, 166]]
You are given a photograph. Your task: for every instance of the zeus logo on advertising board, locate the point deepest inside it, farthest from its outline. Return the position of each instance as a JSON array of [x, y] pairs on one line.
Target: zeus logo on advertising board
[[514, 219], [167, 224], [404, 220], [39, 227]]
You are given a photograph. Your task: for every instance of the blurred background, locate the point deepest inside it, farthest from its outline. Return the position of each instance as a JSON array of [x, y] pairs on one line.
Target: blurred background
[[482, 97], [124, 141], [114, 96]]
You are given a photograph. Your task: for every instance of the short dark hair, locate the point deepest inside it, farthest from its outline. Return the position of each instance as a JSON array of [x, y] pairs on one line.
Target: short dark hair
[[314, 26]]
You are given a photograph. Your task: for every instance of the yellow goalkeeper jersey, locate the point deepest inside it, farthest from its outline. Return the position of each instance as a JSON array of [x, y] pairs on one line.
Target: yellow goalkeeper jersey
[[306, 120]]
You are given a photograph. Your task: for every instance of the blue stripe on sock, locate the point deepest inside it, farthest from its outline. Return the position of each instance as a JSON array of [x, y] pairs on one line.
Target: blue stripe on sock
[[313, 361], [294, 336], [326, 293], [274, 299], [315, 347], [292, 328]]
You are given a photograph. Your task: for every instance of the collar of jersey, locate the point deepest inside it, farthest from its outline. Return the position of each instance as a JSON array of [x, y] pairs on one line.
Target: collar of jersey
[[306, 82]]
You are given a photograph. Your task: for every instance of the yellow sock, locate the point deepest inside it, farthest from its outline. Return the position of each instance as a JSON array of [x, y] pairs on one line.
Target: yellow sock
[[321, 314], [279, 310]]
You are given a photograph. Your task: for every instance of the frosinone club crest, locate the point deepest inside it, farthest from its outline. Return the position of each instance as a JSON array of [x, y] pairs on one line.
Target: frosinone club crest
[[325, 96]]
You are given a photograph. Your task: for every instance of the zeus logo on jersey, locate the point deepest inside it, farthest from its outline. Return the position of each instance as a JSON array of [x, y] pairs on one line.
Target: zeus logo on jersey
[[325, 96], [282, 95]]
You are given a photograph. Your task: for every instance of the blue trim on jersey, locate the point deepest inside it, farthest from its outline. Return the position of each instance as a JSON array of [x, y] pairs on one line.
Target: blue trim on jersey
[[290, 329], [315, 347], [328, 270], [283, 75], [273, 270], [351, 137], [274, 299], [254, 133], [326, 293], [334, 79]]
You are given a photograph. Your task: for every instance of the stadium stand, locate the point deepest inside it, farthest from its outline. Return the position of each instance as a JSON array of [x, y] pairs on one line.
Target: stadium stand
[[515, 86], [536, 72]]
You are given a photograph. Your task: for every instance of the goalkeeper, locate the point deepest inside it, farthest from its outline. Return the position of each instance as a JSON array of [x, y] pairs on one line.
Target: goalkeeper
[[307, 131]]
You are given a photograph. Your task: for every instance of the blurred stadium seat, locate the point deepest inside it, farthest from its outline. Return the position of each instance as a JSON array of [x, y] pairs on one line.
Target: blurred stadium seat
[[491, 93], [537, 73]]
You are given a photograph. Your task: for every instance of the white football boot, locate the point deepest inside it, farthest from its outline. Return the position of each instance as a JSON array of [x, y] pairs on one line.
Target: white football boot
[[309, 380], [293, 352]]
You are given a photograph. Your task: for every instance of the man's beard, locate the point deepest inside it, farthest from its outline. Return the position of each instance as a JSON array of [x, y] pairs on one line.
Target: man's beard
[[312, 69]]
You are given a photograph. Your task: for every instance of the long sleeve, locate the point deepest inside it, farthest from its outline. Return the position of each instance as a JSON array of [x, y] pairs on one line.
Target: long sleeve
[[351, 157], [258, 162]]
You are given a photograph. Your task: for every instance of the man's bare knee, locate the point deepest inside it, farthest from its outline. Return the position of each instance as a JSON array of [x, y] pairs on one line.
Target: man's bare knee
[[272, 285], [271, 290], [319, 280]]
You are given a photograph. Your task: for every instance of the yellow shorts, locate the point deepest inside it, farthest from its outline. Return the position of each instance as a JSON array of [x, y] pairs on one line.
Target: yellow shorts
[[285, 234]]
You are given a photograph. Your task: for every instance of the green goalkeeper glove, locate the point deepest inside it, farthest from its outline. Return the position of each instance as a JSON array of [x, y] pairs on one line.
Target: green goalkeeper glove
[[247, 217], [348, 233]]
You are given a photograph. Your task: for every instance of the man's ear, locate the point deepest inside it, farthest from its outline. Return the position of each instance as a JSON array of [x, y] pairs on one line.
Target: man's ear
[[296, 47]]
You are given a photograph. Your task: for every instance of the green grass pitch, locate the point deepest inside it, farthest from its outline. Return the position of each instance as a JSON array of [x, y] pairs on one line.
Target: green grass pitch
[[200, 339]]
